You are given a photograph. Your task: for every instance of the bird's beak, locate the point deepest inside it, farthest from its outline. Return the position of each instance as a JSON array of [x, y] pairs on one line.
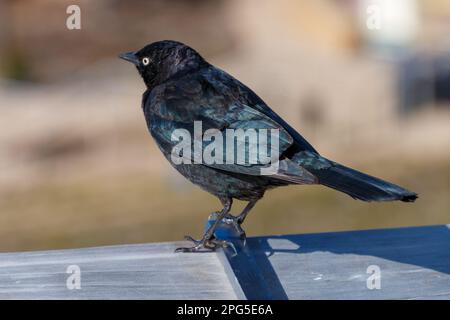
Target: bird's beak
[[130, 56]]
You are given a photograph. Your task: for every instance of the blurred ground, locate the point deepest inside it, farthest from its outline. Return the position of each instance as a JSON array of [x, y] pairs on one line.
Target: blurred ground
[[78, 168]]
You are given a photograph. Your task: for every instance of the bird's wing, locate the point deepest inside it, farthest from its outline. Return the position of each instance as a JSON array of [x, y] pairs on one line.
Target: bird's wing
[[250, 98], [245, 118], [214, 105]]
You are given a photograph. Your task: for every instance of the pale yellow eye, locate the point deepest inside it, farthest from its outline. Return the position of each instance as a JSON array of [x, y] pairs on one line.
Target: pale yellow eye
[[145, 61]]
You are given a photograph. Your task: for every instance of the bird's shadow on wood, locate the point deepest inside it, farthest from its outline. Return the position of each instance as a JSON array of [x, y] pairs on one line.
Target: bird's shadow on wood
[[425, 247]]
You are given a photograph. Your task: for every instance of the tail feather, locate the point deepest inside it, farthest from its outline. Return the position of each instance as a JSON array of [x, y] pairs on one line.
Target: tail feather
[[356, 184], [362, 186]]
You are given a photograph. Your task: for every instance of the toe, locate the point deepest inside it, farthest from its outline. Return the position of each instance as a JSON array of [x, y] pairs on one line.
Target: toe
[[189, 238]]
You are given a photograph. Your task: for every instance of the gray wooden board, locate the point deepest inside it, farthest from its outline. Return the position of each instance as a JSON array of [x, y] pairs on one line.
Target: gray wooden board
[[149, 271], [414, 263]]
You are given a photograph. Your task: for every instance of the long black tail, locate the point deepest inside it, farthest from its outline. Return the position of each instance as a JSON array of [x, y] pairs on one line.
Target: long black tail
[[354, 183]]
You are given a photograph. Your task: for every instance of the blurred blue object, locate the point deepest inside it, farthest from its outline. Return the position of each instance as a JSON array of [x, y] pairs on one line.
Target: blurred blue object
[[423, 80], [442, 78]]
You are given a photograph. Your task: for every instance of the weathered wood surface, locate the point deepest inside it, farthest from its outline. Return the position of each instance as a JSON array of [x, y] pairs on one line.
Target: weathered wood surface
[[414, 264], [148, 271]]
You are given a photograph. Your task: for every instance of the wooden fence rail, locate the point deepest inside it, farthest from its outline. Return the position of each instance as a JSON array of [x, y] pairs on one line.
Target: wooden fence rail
[[402, 263]]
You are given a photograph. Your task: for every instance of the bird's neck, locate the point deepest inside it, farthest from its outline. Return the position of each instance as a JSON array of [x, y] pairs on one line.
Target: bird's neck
[[175, 68]]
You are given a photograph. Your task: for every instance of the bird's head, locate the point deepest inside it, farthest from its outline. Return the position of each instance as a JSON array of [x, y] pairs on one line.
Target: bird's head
[[162, 60]]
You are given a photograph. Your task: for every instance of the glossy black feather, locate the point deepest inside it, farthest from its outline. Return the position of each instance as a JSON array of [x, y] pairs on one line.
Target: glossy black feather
[[182, 88]]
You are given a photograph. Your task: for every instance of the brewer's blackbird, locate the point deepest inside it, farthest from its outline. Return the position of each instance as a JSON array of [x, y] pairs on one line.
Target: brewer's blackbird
[[183, 88]]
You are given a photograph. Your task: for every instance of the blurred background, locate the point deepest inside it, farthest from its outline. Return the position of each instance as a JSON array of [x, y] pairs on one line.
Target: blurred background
[[366, 82]]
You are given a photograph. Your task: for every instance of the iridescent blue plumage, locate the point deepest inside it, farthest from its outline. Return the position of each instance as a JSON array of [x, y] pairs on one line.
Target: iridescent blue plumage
[[183, 88]]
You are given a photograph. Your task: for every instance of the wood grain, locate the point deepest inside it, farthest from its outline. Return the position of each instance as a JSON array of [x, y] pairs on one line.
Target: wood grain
[[414, 264]]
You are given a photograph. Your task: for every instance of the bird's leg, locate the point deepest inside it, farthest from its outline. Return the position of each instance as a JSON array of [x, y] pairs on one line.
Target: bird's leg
[[236, 221], [208, 240], [246, 210]]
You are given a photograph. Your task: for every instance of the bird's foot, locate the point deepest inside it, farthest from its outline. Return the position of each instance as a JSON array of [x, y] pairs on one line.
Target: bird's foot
[[236, 222], [230, 219], [204, 245]]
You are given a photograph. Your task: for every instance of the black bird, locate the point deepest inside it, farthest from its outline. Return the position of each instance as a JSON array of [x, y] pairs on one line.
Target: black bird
[[182, 87]]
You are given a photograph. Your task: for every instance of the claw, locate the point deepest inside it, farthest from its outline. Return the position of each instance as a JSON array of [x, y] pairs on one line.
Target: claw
[[196, 248], [201, 245], [189, 238], [225, 244]]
